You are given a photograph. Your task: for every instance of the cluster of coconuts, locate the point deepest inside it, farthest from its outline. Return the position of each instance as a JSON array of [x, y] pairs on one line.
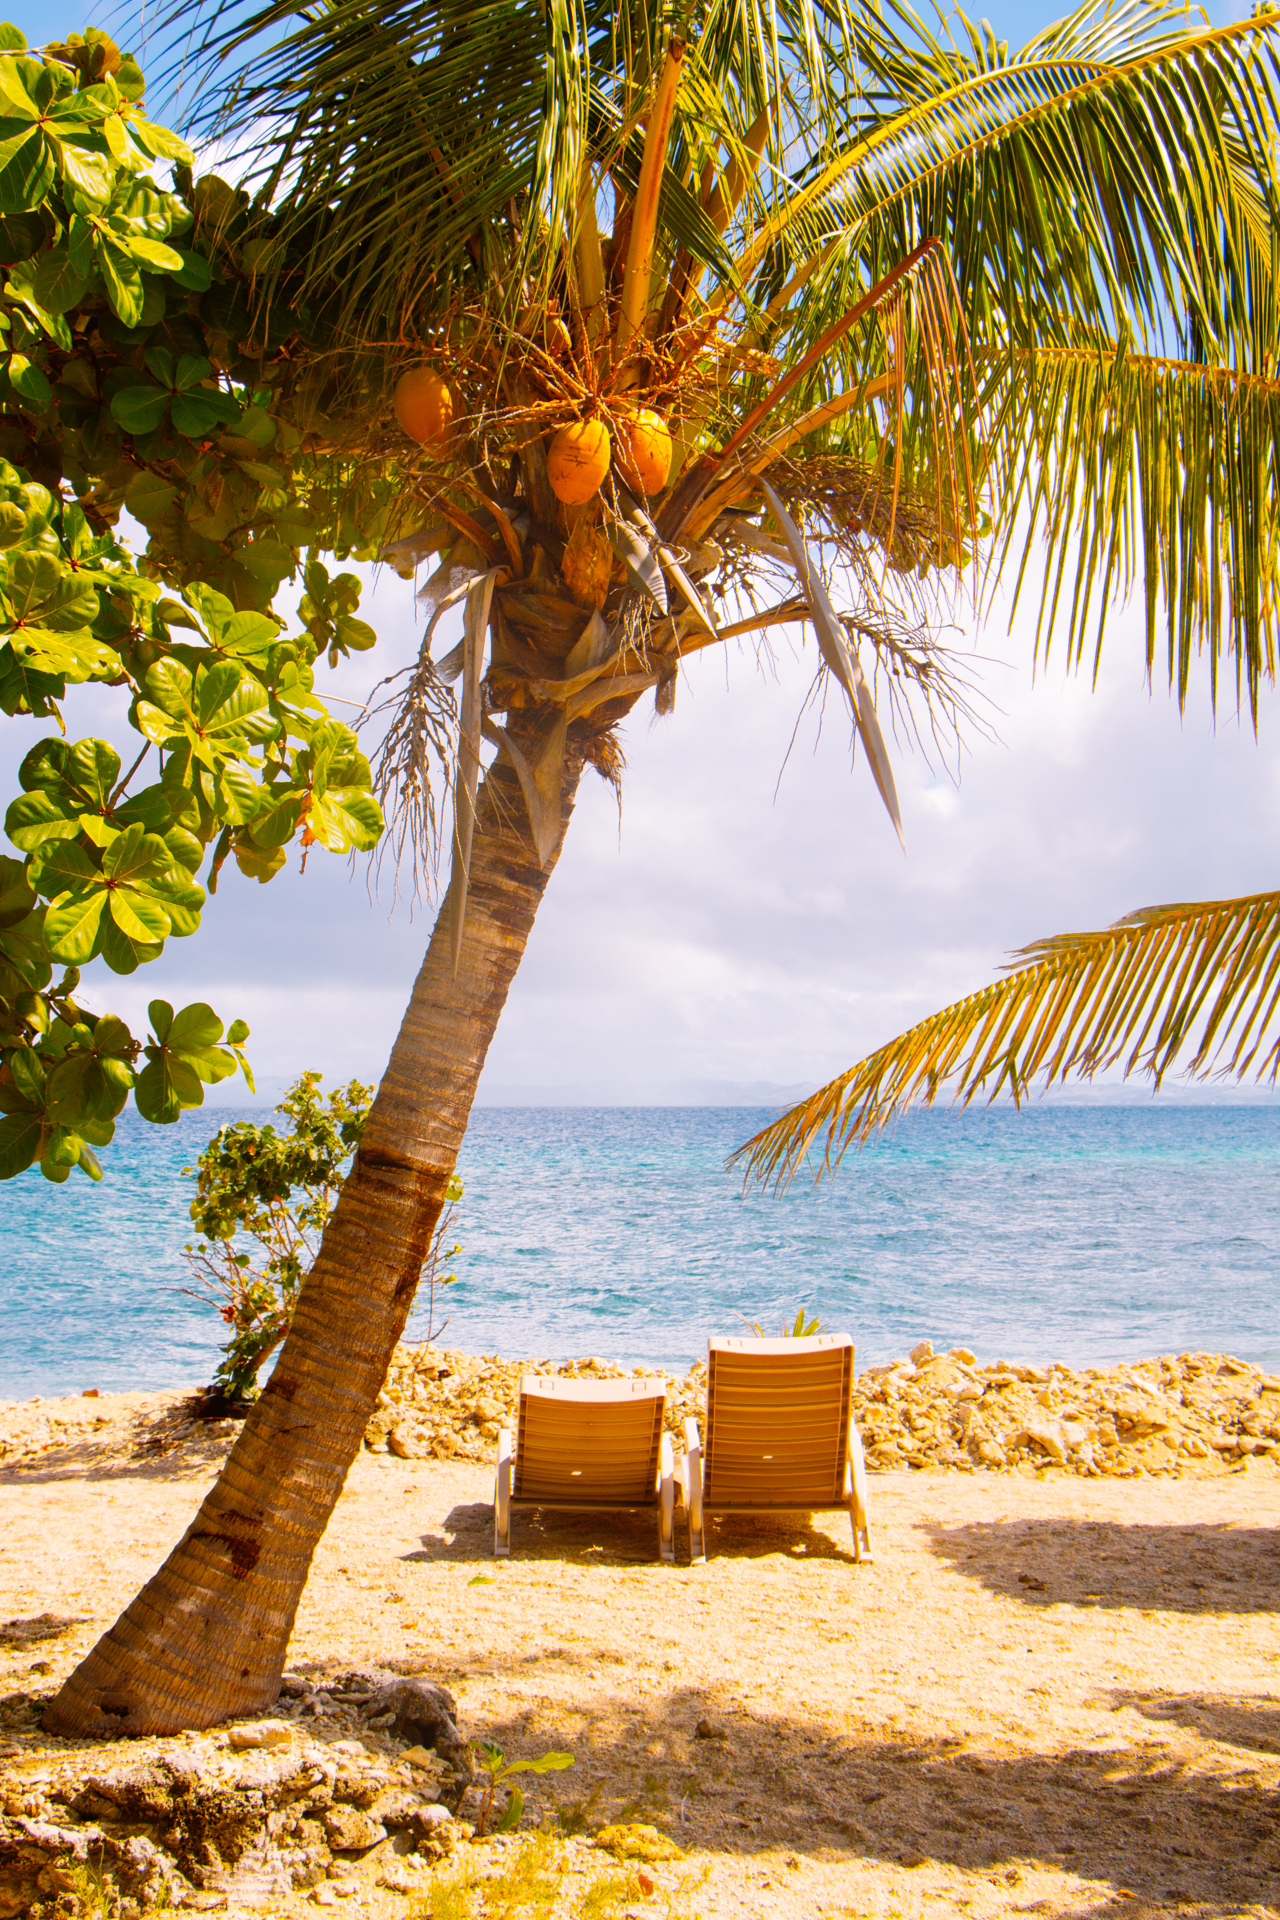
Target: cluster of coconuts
[[579, 456]]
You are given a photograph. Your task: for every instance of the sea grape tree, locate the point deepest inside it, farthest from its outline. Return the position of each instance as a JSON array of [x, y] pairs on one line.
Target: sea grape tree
[[139, 378]]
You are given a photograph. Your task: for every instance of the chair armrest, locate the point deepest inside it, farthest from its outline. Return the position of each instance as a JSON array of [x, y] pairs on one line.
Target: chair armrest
[[666, 1498], [691, 1483], [502, 1494], [857, 1485]]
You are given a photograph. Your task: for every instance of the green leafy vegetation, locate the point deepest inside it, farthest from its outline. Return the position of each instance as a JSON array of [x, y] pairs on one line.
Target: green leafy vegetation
[[497, 1771], [277, 1190], [137, 375]]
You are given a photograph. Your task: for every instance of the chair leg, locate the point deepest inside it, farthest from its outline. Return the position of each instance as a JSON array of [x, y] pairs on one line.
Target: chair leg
[[667, 1500], [856, 1485], [502, 1496], [691, 1477]]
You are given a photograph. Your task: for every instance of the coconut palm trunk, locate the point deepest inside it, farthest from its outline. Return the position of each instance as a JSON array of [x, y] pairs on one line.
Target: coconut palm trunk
[[206, 1637]]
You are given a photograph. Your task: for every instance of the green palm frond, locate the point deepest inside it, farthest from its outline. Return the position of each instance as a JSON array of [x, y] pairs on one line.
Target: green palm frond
[[1204, 977], [1138, 469], [1105, 202]]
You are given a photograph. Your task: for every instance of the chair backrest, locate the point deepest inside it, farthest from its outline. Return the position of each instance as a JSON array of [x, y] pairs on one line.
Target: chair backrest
[[777, 1423], [594, 1441]]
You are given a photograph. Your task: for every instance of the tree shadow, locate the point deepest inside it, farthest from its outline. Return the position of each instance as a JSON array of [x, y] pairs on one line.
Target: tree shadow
[[38, 1628], [159, 1449], [616, 1537], [1194, 1568], [1235, 1719], [1126, 1820]]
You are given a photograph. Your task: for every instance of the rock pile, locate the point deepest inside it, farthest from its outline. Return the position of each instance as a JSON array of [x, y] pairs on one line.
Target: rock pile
[[1196, 1413], [1193, 1413], [439, 1404], [361, 1766]]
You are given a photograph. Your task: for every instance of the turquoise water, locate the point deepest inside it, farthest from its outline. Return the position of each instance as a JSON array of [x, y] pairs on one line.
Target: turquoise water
[[1084, 1234]]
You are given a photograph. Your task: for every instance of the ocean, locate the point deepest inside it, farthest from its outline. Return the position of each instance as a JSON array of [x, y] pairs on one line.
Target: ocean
[[1087, 1234]]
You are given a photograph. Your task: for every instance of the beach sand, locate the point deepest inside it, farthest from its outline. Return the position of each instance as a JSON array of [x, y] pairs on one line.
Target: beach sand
[[1049, 1694]]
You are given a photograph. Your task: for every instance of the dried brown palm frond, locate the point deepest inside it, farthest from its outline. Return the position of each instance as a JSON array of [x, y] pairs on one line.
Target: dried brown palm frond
[[421, 737], [1203, 977]]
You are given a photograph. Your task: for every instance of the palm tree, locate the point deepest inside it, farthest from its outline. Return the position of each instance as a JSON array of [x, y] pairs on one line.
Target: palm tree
[[1197, 982], [891, 293]]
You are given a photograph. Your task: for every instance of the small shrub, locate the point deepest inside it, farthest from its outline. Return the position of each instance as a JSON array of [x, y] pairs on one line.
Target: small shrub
[[277, 1190]]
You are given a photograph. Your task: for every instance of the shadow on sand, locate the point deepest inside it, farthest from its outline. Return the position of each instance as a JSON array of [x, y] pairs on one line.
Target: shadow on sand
[[1142, 1830], [1101, 1563], [620, 1538]]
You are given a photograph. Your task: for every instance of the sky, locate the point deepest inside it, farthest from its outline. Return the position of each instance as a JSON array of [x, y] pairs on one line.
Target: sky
[[746, 925]]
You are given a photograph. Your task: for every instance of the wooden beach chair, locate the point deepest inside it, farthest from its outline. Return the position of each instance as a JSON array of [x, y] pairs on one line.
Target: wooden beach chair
[[593, 1445], [781, 1436]]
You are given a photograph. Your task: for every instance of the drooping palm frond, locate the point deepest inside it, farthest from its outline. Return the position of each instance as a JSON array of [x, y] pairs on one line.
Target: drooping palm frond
[[1199, 982], [1155, 473], [1108, 195]]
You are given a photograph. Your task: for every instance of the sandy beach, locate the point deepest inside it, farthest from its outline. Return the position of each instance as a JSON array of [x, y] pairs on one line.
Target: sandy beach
[[1049, 1694]]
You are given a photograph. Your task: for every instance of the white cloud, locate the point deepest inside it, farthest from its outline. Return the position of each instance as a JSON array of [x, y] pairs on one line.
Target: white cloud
[[730, 939]]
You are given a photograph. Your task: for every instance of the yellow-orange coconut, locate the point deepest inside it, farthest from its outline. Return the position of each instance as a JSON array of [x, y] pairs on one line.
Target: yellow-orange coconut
[[578, 460], [424, 405], [644, 450]]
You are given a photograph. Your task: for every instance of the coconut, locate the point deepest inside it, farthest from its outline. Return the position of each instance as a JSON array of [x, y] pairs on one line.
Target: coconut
[[424, 405], [578, 460], [644, 450]]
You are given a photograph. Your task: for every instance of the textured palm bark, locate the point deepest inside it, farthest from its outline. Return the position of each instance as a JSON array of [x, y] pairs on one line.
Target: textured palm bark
[[206, 1637]]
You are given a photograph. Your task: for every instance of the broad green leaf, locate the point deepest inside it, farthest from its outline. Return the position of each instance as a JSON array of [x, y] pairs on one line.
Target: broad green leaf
[[19, 1142], [545, 1763], [346, 821], [60, 865], [152, 253], [58, 285], [195, 1028], [15, 96], [156, 725], [198, 413], [77, 656], [37, 591], [149, 498], [139, 915], [168, 684], [187, 851], [212, 1064], [71, 926], [17, 896], [88, 174], [27, 170], [124, 282], [79, 1088], [28, 1074], [94, 767], [160, 1014], [161, 142], [28, 382], [195, 274], [249, 635], [121, 952], [62, 1149], [190, 371], [140, 409], [135, 855], [36, 817]]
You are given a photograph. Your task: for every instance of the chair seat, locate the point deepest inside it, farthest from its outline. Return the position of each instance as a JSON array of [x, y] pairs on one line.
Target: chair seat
[[590, 1446]]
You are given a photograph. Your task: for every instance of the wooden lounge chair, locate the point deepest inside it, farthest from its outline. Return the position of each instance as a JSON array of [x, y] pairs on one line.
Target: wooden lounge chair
[[587, 1444], [781, 1436]]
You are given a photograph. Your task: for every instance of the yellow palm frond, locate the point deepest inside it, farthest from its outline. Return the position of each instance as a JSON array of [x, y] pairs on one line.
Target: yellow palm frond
[[1137, 995]]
